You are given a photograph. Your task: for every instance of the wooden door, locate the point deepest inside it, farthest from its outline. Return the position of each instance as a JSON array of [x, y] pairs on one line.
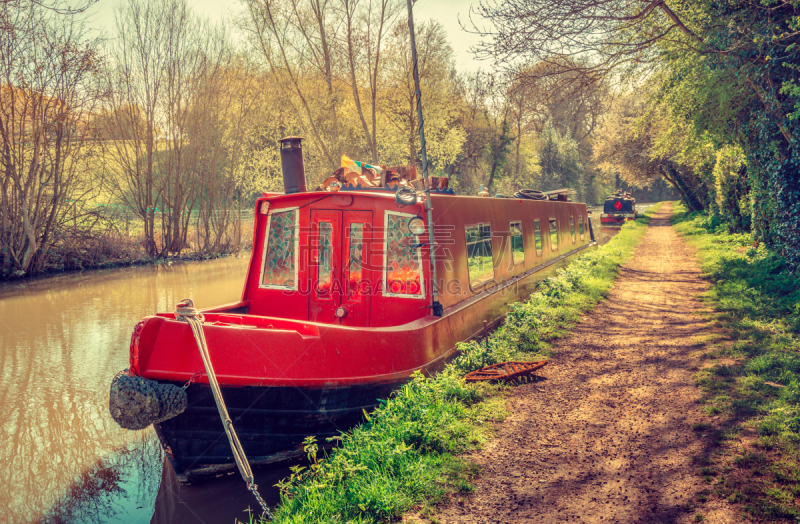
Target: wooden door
[[340, 284]]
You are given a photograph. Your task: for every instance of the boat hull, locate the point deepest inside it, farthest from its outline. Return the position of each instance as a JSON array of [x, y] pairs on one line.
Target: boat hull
[[271, 423], [616, 219]]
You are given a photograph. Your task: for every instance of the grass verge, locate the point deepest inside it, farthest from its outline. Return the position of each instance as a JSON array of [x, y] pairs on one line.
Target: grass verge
[[748, 372], [405, 454]]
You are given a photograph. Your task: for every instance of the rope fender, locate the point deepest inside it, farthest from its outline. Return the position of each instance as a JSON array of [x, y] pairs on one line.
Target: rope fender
[[136, 402]]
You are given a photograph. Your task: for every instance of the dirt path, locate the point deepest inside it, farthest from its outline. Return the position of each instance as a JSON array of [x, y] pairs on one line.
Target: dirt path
[[607, 436]]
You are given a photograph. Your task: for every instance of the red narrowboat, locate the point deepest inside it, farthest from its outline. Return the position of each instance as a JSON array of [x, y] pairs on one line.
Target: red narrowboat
[[336, 313], [618, 209]]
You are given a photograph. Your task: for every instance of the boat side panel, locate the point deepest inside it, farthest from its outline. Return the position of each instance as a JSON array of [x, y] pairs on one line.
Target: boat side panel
[[453, 214]]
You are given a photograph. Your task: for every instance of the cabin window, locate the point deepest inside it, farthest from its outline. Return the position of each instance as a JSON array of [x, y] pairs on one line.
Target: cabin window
[[553, 234], [517, 249], [355, 260], [280, 251], [324, 266], [403, 261], [580, 225], [572, 228], [479, 254], [537, 231]]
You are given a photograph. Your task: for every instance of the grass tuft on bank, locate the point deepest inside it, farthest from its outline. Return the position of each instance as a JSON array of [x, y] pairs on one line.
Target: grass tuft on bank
[[405, 454], [749, 372]]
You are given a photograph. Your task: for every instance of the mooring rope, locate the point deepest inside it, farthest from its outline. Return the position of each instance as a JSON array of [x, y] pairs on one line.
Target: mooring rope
[[185, 312]]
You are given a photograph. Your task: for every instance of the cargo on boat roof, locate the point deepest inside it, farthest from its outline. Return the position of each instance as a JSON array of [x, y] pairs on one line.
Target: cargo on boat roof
[[339, 307]]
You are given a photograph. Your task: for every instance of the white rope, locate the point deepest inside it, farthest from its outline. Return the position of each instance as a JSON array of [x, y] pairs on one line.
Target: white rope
[[185, 312]]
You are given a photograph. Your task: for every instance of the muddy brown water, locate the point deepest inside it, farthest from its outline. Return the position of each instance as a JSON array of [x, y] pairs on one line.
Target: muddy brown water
[[62, 458]]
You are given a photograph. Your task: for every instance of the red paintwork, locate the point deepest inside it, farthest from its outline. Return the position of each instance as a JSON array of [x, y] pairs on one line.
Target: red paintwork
[[279, 337], [616, 219]]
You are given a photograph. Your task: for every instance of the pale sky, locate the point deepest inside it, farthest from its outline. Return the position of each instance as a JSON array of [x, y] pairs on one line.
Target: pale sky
[[446, 12]]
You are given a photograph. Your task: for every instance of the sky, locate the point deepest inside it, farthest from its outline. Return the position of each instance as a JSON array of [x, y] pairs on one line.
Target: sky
[[446, 12]]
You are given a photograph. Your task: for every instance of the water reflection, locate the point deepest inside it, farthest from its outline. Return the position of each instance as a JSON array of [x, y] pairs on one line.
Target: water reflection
[[218, 500], [61, 341], [120, 488]]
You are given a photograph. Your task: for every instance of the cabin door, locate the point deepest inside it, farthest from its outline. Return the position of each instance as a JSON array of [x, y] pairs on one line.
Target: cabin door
[[340, 291]]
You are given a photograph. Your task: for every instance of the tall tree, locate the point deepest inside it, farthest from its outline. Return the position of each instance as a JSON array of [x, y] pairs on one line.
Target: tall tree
[[47, 91], [400, 140], [295, 38], [736, 61], [161, 65]]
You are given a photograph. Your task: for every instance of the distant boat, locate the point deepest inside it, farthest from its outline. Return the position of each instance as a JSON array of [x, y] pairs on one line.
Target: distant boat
[[618, 209], [336, 311]]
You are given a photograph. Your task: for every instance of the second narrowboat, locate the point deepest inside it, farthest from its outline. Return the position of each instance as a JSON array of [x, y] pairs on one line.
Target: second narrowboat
[[618, 209]]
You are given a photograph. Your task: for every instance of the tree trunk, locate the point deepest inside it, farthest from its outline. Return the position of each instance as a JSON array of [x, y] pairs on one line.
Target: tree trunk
[[687, 195]]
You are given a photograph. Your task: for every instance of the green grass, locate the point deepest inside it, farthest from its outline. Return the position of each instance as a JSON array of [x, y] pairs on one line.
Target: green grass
[[405, 454], [480, 269], [753, 387]]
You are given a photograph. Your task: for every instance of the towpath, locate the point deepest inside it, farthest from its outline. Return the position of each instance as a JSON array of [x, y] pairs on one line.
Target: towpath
[[607, 436]]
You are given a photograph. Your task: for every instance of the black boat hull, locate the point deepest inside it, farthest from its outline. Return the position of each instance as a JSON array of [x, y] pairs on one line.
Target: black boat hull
[[271, 423]]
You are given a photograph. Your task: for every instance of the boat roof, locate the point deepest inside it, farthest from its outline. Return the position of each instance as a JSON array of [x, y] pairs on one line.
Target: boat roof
[[387, 194], [278, 198]]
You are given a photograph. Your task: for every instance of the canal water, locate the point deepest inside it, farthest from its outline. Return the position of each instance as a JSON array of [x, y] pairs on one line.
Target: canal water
[[62, 458]]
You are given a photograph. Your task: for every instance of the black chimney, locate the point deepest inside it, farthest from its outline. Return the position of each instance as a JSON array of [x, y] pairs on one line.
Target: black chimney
[[294, 173]]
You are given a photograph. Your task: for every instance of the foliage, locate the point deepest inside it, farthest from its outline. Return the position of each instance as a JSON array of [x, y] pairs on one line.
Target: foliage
[[725, 74], [743, 98], [404, 453], [755, 388], [732, 189], [560, 162]]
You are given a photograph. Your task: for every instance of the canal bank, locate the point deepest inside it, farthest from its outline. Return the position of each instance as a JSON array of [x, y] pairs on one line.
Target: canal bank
[[406, 454], [747, 372], [616, 431]]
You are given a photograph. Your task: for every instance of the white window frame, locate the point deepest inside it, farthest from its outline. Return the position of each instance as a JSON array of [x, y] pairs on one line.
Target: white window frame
[[385, 272], [273, 211]]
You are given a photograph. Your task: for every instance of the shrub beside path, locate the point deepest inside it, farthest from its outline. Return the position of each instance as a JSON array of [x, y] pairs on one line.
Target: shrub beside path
[[607, 435]]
